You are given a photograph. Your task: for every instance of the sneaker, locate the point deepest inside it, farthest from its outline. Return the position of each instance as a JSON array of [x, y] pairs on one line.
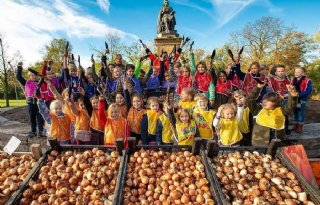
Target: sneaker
[[31, 134]]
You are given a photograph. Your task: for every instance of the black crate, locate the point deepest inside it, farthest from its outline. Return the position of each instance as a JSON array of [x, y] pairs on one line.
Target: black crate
[[213, 150], [195, 149], [16, 197]]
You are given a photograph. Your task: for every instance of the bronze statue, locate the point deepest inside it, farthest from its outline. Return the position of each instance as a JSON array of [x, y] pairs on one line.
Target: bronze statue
[[166, 19]]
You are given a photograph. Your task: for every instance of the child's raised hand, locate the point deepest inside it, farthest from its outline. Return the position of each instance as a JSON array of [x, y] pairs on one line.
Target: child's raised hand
[[211, 103], [220, 109], [82, 91], [292, 90], [125, 82], [20, 63], [261, 85]]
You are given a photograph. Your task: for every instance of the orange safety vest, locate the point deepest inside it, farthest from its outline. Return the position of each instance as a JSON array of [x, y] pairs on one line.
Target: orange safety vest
[[82, 121], [115, 128], [60, 127], [95, 121], [134, 119], [69, 113]]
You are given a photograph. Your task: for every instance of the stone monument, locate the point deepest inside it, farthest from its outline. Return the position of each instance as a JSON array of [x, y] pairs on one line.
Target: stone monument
[[167, 36]]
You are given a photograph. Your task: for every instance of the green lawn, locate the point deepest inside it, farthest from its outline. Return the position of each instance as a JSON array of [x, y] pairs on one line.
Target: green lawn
[[13, 103]]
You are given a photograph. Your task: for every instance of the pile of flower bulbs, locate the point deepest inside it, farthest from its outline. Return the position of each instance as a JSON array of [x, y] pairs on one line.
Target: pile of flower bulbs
[[13, 170], [73, 177], [254, 178], [158, 177]]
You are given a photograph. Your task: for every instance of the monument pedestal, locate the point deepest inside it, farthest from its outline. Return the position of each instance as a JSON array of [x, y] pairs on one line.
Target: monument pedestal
[[166, 42]]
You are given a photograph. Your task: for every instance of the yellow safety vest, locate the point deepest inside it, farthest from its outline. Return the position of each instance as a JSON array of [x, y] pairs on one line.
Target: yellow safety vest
[[186, 132], [153, 117], [204, 119], [244, 123], [273, 119], [229, 131], [167, 132]]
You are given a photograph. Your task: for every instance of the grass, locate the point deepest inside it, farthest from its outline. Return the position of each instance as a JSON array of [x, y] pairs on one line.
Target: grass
[[13, 103]]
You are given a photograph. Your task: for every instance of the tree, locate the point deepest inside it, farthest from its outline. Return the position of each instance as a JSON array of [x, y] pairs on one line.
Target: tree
[[7, 72], [269, 41], [259, 37]]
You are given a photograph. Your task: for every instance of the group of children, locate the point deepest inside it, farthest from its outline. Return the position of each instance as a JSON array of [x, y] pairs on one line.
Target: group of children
[[231, 107]]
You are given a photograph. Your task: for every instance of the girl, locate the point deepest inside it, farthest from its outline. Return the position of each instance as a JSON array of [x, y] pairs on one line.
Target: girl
[[149, 122], [136, 112], [115, 126], [186, 99], [223, 89], [156, 78], [121, 104], [278, 82], [234, 72], [82, 111], [96, 127], [59, 123], [251, 79], [245, 125], [112, 81], [270, 116], [185, 128], [30, 87], [203, 117], [227, 123], [202, 79], [304, 87], [184, 79]]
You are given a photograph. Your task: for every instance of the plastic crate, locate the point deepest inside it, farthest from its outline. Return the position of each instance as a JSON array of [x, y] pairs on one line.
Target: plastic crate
[[195, 149], [214, 151], [15, 199]]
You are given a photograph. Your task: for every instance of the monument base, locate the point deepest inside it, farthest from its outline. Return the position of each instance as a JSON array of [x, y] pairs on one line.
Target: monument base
[[166, 42]]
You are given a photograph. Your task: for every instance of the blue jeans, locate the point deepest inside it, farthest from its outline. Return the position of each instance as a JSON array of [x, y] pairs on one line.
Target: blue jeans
[[299, 113], [35, 118]]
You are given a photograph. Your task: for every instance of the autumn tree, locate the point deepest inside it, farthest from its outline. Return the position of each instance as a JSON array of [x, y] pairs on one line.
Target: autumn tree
[[7, 64]]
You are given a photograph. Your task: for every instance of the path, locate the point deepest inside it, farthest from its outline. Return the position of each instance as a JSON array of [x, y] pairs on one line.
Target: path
[[13, 122]]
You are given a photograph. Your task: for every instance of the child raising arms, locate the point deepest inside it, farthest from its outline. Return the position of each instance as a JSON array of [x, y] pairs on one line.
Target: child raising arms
[[115, 126], [227, 122]]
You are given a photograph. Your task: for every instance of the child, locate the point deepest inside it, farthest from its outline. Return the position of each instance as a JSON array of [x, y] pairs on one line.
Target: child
[[135, 113], [149, 122], [58, 121], [134, 83], [185, 128], [277, 83], [245, 125], [223, 89], [184, 79], [156, 78], [304, 87], [96, 127], [202, 79], [203, 117], [30, 87], [251, 78], [234, 73], [227, 122], [120, 101], [112, 82], [164, 129], [82, 123], [270, 116], [115, 126], [186, 99]]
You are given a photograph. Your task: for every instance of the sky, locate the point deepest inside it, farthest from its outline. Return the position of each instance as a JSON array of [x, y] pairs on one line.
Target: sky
[[30, 24]]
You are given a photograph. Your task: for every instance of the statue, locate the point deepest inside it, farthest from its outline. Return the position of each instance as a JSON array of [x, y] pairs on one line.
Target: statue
[[166, 19]]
